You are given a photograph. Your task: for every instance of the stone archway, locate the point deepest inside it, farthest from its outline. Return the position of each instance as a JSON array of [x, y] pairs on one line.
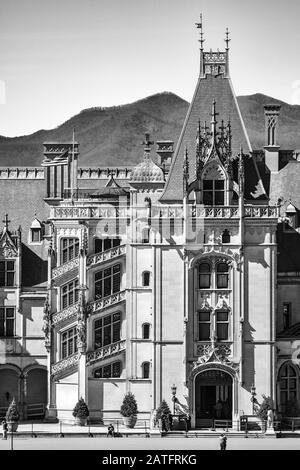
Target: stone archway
[[213, 397], [223, 378], [9, 387], [35, 395]]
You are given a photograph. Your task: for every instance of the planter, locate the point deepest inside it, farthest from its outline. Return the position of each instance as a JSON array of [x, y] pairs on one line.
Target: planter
[[129, 421], [12, 426], [80, 421]]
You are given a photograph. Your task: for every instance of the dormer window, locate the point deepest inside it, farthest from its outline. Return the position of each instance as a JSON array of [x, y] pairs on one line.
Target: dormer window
[[36, 231], [213, 192]]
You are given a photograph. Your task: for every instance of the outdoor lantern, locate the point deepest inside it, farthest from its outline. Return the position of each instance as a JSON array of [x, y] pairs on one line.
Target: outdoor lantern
[[173, 389]]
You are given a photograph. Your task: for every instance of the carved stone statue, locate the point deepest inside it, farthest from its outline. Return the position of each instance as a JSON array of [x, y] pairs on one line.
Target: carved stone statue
[[46, 328], [270, 418]]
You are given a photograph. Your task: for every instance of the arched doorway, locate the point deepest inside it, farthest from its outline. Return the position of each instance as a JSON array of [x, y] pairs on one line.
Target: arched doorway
[[213, 397], [9, 388], [36, 393], [288, 388]]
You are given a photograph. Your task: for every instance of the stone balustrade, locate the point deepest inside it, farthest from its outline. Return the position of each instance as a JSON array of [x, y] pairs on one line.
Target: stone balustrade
[[105, 351], [65, 314], [65, 364], [105, 302], [64, 268], [162, 211], [106, 255]]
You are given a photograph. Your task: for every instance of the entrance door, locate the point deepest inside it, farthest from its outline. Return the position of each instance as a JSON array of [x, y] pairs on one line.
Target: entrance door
[[213, 397]]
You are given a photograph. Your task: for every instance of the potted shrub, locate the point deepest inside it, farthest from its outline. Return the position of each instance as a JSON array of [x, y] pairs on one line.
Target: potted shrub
[[129, 410], [81, 412], [12, 416]]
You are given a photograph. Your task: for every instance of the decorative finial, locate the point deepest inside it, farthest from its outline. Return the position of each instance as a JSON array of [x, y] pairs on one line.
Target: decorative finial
[[199, 26], [227, 40], [241, 171], [6, 221], [147, 143], [185, 172]]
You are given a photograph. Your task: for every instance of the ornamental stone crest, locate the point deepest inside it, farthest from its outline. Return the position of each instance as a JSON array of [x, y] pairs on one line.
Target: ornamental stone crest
[[81, 323], [7, 247], [213, 353]]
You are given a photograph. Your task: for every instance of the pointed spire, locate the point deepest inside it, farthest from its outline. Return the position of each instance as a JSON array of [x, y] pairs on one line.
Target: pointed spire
[[227, 40], [241, 172], [185, 172], [214, 121], [199, 26], [6, 222]]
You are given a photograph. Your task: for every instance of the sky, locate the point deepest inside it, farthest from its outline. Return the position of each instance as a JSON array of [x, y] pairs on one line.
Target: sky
[[58, 57]]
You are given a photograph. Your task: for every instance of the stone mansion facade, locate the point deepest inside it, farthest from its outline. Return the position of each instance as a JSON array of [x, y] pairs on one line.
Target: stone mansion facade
[[183, 270]]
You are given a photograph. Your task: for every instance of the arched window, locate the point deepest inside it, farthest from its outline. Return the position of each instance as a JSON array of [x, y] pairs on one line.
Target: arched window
[[222, 276], [146, 370], [204, 276], [146, 235], [287, 384], [146, 278], [226, 236], [146, 330]]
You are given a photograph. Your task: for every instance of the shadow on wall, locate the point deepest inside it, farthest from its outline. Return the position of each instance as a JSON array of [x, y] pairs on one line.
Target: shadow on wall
[[34, 268]]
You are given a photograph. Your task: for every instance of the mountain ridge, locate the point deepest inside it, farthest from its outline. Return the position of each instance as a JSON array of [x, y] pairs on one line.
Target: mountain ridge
[[113, 135]]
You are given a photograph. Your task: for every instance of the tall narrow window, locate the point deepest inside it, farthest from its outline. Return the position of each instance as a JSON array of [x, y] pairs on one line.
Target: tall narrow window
[[68, 343], [69, 294], [146, 331], [146, 370], [204, 325], [286, 315], [146, 235], [222, 276], [204, 276], [69, 249], [107, 330], [7, 273], [213, 192], [146, 278], [222, 325], [288, 384], [108, 281], [7, 321]]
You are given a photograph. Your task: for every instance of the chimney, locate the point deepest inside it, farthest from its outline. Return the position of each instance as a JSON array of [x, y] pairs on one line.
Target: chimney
[[271, 126], [165, 150]]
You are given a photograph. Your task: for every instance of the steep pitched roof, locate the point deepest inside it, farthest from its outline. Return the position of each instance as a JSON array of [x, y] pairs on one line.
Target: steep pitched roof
[[219, 88]]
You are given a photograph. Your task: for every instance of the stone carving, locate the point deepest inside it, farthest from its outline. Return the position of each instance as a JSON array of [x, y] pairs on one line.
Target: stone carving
[[213, 353], [81, 323], [46, 328], [106, 351]]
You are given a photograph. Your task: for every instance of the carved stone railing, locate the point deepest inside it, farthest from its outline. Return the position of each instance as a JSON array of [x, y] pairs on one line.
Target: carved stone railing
[[106, 255], [106, 351], [204, 350], [64, 268], [215, 212], [97, 305], [262, 211], [65, 314], [89, 212], [65, 364]]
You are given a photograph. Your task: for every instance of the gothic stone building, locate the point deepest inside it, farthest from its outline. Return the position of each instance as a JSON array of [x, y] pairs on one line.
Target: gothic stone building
[[182, 270]]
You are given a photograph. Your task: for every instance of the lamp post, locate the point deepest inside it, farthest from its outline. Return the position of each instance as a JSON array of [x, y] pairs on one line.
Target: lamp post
[[173, 390], [253, 394]]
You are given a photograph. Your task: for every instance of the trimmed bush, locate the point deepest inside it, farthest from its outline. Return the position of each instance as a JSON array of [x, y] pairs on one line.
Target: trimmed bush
[[81, 409], [163, 409], [129, 405], [12, 413]]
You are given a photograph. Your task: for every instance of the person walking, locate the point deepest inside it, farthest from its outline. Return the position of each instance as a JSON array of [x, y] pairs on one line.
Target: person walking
[[187, 423], [110, 431], [164, 427], [4, 429], [223, 442]]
